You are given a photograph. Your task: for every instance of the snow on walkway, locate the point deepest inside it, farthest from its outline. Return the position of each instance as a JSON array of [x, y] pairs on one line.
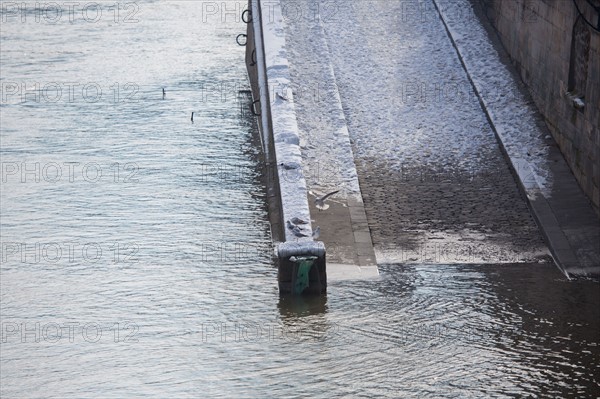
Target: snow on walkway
[[435, 184]]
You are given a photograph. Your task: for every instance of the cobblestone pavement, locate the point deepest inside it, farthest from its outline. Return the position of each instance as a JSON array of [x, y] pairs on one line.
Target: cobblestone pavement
[[435, 184]]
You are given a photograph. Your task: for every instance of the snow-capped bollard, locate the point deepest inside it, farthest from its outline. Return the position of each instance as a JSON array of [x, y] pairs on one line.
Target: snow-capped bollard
[[301, 268]]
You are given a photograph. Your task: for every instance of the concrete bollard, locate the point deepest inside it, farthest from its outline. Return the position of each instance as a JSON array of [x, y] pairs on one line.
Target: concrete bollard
[[291, 257]]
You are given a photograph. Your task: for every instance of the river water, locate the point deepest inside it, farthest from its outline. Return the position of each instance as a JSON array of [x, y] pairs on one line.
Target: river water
[[137, 258]]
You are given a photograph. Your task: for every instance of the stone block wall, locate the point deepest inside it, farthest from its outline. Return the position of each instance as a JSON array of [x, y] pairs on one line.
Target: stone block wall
[[558, 57]]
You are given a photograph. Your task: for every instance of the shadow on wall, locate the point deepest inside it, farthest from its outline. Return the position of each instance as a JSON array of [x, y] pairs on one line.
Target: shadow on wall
[[556, 49]]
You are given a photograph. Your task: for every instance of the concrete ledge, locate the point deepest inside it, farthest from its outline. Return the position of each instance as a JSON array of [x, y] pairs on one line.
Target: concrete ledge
[[268, 67], [288, 193], [326, 145]]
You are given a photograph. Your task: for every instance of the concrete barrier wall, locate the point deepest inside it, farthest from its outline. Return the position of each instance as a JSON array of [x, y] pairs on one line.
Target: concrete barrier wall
[[267, 65], [550, 43]]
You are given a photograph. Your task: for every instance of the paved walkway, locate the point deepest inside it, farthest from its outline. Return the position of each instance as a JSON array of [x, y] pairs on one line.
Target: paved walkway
[[436, 185]]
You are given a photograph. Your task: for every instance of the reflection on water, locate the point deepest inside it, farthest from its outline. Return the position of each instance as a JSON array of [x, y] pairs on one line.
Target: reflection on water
[[155, 278], [291, 306]]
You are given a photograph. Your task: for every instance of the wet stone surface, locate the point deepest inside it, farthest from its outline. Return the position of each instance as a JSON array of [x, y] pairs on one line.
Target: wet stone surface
[[435, 184], [450, 220]]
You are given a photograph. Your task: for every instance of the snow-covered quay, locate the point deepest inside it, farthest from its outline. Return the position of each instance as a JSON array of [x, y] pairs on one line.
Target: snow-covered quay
[[408, 108]]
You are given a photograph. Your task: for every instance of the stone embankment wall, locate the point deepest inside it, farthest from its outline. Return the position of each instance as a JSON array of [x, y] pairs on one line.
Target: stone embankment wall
[[555, 46]]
